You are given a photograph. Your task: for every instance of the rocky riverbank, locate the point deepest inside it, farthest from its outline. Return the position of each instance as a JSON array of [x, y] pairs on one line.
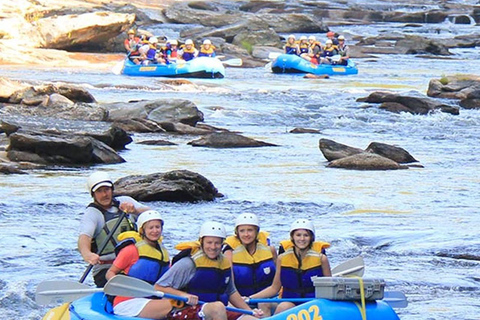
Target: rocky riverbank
[[50, 34]]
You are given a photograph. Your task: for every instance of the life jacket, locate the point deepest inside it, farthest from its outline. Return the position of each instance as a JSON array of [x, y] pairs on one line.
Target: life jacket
[[152, 262], [303, 47], [315, 44], [252, 273], [187, 54], [330, 52], [342, 49], [295, 275], [211, 277], [291, 49], [207, 53], [152, 52], [125, 225]]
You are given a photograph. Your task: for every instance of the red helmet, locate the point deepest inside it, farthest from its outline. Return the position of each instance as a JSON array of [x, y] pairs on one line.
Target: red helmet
[[330, 34]]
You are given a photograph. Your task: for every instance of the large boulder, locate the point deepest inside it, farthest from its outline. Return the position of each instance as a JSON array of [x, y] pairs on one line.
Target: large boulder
[[453, 87], [420, 45], [413, 104], [366, 161], [332, 150], [228, 140], [173, 186], [394, 153]]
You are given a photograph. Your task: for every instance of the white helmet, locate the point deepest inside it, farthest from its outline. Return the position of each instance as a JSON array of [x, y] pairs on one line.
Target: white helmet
[[207, 42], [302, 224], [329, 41], [213, 229], [312, 38], [153, 40], [303, 38], [146, 216], [173, 42], [291, 36], [189, 41], [247, 219], [97, 180]]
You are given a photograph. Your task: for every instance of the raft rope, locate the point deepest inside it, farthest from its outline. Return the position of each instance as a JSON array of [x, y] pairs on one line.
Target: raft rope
[[362, 308]]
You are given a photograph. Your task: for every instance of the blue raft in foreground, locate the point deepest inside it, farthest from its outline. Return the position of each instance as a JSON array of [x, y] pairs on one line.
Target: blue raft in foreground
[[290, 63], [201, 67], [93, 307]]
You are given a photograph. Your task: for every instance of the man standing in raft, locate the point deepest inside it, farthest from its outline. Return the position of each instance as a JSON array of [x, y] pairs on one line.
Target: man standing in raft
[[97, 221]]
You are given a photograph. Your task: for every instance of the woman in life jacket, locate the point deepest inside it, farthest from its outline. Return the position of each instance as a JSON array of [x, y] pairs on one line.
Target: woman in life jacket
[[172, 51], [145, 259], [314, 50], [302, 259], [187, 52], [291, 47], [207, 49], [253, 259], [328, 53]]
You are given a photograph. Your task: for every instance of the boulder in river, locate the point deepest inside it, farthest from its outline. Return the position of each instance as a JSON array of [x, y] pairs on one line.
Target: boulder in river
[[228, 140], [394, 153], [453, 87], [332, 150], [366, 161], [173, 186]]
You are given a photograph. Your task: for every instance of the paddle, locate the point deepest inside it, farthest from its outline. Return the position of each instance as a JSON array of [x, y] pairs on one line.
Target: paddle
[[352, 267], [395, 299], [274, 55], [118, 68], [233, 62], [121, 285], [336, 58], [48, 292]]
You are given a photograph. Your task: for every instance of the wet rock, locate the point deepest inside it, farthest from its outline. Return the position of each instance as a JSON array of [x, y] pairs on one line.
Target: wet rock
[[8, 128], [453, 87], [304, 130], [59, 149], [433, 16], [181, 128], [160, 110], [394, 153], [139, 125], [157, 143], [316, 76], [115, 137], [228, 140], [8, 168], [9, 87], [412, 104], [420, 45], [38, 93], [332, 150], [173, 186], [366, 161]]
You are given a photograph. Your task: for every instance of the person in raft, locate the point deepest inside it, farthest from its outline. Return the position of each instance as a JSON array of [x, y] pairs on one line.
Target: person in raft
[[252, 256], [207, 49], [303, 258], [187, 52], [98, 220], [291, 47], [200, 272], [143, 256]]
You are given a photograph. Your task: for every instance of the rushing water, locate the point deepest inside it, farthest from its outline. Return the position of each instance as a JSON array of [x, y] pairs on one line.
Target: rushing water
[[403, 222]]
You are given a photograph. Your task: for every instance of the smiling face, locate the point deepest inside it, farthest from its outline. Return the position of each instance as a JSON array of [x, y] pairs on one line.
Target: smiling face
[[302, 238], [212, 246], [152, 230], [247, 234], [103, 196]]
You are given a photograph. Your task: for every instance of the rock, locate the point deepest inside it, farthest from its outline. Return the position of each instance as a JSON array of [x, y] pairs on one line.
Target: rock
[[173, 186], [316, 76], [453, 87], [366, 161], [9, 168], [394, 153], [228, 140], [412, 104], [115, 137], [420, 45], [9, 87], [160, 110], [138, 125], [157, 143], [59, 149], [32, 93], [332, 150], [304, 130], [470, 103], [8, 128]]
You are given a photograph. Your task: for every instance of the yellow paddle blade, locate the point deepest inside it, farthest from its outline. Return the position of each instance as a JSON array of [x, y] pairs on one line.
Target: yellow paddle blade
[[58, 313]]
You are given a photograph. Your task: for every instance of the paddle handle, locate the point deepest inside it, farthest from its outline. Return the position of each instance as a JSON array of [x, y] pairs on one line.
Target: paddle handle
[[185, 299], [104, 244]]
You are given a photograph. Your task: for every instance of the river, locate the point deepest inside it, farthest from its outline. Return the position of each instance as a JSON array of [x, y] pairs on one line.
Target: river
[[404, 223]]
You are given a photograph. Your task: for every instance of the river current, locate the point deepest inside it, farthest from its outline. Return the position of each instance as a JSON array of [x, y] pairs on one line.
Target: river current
[[407, 224]]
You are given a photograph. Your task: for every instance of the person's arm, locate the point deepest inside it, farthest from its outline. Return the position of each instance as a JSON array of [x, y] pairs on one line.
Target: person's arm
[[127, 257], [274, 288], [85, 248], [274, 254], [113, 271], [327, 272], [131, 206]]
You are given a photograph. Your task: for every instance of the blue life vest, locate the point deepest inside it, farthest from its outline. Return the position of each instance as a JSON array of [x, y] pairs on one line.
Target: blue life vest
[[295, 275], [291, 49], [211, 277], [252, 273]]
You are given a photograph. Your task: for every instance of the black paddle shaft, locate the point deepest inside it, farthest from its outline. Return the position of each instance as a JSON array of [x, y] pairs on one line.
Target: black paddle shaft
[[104, 245]]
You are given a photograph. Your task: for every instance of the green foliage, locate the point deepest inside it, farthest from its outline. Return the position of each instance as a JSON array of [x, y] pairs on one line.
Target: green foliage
[[247, 46], [444, 80]]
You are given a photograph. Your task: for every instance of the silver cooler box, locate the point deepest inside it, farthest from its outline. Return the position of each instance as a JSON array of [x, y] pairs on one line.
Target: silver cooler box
[[338, 288]]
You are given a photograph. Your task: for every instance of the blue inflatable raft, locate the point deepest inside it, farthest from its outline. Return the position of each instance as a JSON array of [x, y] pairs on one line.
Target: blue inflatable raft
[[290, 63], [201, 67], [93, 307]]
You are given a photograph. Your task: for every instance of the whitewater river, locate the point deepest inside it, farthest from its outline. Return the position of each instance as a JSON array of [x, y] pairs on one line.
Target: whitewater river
[[404, 223]]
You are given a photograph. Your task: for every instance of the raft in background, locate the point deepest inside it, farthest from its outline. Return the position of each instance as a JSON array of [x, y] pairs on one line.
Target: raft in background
[[290, 63], [201, 67]]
